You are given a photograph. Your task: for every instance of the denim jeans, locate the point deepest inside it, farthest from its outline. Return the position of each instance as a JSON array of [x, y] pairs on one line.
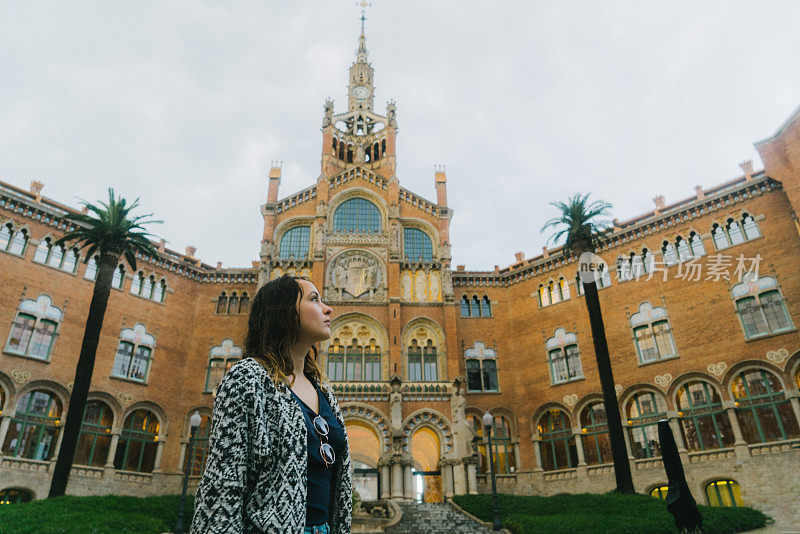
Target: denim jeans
[[318, 529]]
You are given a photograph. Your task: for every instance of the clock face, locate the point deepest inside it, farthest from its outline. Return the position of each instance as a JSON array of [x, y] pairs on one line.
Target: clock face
[[361, 92]]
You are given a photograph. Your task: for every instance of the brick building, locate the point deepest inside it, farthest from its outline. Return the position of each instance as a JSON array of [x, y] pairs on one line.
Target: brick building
[[700, 308]]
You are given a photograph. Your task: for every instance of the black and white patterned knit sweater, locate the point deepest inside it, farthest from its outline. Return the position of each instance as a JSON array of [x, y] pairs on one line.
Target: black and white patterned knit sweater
[[255, 474]]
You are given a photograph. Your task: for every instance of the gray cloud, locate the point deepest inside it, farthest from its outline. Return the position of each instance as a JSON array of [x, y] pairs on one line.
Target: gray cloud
[[186, 103]]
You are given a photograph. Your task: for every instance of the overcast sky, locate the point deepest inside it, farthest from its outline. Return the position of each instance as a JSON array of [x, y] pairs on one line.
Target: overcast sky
[[185, 103]]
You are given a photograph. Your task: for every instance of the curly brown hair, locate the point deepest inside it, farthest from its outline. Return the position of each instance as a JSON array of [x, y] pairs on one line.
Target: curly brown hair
[[274, 327]]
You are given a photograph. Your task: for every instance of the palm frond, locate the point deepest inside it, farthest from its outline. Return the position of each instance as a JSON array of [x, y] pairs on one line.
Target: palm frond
[[581, 221]]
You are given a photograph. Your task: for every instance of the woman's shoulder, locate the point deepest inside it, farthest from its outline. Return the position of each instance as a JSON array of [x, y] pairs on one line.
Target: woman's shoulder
[[249, 374]]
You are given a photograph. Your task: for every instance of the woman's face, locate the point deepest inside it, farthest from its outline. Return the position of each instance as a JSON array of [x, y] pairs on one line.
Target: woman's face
[[315, 317]]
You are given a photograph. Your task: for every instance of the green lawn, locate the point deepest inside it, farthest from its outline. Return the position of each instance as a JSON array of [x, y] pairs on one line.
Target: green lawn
[[596, 514], [95, 515]]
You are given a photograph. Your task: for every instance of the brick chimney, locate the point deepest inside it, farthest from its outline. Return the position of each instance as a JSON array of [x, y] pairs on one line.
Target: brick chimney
[[520, 256], [219, 265], [441, 185], [660, 204], [698, 190], [162, 245], [747, 169], [460, 267], [190, 251], [36, 189], [545, 252], [274, 182]]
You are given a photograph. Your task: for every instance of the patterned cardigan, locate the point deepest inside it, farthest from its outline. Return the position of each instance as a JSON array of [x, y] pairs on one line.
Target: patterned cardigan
[[255, 476]]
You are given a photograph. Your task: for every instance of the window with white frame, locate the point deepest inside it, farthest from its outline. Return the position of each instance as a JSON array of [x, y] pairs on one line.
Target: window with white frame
[[481, 368], [56, 256], [735, 231], [118, 280], [91, 269], [760, 306], [220, 360], [563, 356], [13, 240], [652, 334], [35, 328], [134, 354]]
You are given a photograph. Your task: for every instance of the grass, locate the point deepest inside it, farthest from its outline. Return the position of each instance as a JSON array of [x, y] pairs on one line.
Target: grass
[[596, 514], [109, 514]]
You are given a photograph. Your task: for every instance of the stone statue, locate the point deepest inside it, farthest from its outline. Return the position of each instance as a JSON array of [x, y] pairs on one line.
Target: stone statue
[[340, 276], [327, 120], [420, 286], [434, 284], [396, 407], [320, 238], [391, 114]]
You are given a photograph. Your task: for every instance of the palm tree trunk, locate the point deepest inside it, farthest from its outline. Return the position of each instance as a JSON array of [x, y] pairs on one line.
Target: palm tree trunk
[[622, 468], [83, 375]]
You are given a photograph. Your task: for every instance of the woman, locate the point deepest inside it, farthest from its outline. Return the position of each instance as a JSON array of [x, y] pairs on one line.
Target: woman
[[278, 458]]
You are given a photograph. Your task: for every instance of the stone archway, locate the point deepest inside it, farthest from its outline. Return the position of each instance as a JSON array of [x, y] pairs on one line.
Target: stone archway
[[365, 452], [425, 452]]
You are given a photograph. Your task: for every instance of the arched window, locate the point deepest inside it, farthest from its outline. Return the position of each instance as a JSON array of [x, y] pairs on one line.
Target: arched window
[[486, 307], [414, 361], [148, 283], [760, 307], [221, 359], [652, 334], [18, 243], [704, 424], [294, 243], [562, 283], [696, 244], [624, 269], [750, 228], [644, 411], [556, 441], [118, 280], [354, 358], [200, 451], [476, 423], [481, 365], [33, 432], [138, 442], [648, 261], [91, 268], [70, 261], [474, 307], [15, 496], [464, 306], [734, 232], [372, 362], [683, 248], [564, 357], [763, 411], [233, 304], [244, 303], [357, 215], [720, 237], [42, 251], [6, 231], [160, 290], [55, 257], [95, 439], [34, 330], [724, 493], [134, 353], [668, 251], [594, 434], [336, 361], [136, 285], [555, 292], [417, 245], [222, 303], [544, 296], [659, 492], [637, 266]]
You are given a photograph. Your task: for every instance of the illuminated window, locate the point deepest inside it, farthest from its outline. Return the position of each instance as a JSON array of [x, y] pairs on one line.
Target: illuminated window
[[704, 423], [763, 411], [200, 451], [138, 442], [33, 432], [644, 411], [659, 492], [220, 360], [502, 448], [724, 493], [95, 439], [557, 444], [594, 434]]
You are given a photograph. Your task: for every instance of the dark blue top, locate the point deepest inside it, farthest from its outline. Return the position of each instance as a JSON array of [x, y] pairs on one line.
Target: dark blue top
[[320, 476]]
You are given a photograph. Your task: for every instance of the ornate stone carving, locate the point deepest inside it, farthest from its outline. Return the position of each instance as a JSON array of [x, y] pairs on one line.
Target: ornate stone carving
[[717, 369], [356, 275], [126, 399], [663, 380], [20, 377], [570, 400], [778, 356], [618, 389]]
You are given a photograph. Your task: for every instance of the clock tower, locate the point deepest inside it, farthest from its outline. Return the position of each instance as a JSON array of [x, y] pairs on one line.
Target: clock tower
[[361, 92]]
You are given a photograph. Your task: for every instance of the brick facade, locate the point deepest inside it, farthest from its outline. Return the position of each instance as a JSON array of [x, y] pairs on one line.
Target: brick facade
[[379, 294]]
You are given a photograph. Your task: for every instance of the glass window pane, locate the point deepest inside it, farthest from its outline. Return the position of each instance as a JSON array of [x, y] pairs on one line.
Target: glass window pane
[[752, 318], [294, 243], [490, 375], [21, 331], [42, 339], [417, 245], [775, 311], [122, 362], [18, 243]]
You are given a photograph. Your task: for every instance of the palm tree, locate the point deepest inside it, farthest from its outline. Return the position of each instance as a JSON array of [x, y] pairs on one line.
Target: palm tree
[[109, 234], [580, 221]]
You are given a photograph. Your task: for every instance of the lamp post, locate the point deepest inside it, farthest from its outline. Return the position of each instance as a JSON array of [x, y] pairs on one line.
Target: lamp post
[[487, 424], [194, 422]]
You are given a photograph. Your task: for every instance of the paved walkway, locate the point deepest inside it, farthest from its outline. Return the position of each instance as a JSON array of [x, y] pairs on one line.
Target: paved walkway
[[429, 518]]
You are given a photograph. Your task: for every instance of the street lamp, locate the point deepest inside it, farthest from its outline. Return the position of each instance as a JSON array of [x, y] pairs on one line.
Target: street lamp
[[194, 422], [487, 424]]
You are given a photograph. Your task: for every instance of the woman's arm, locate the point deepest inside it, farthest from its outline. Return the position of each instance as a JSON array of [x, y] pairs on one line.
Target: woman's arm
[[219, 502]]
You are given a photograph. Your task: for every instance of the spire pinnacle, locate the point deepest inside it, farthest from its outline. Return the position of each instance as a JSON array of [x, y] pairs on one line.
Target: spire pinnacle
[[362, 40]]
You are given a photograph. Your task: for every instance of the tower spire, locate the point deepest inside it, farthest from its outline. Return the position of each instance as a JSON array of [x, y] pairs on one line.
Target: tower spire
[[362, 40]]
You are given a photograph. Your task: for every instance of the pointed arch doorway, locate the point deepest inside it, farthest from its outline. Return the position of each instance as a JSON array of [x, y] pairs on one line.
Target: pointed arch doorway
[[427, 478]]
